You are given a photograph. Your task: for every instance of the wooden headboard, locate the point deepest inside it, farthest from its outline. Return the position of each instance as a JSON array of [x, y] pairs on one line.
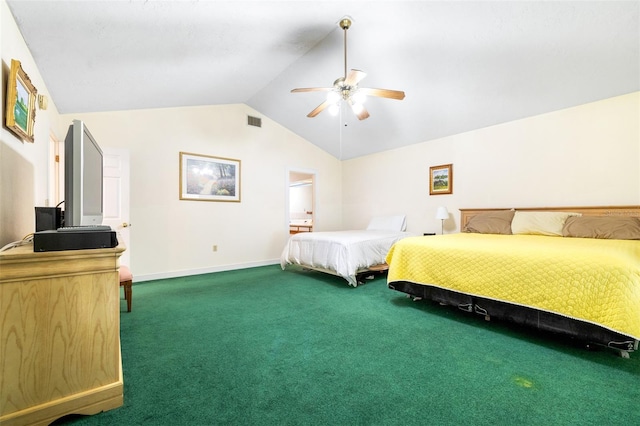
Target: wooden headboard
[[621, 211]]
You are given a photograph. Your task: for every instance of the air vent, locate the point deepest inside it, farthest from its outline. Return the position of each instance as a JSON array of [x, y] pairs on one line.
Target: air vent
[[254, 121]]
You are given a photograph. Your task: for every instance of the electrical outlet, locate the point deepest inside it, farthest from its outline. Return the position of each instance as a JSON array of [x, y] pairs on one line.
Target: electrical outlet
[[215, 248]]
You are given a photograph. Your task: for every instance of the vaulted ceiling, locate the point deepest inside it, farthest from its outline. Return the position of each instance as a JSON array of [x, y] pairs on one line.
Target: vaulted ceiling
[[462, 65]]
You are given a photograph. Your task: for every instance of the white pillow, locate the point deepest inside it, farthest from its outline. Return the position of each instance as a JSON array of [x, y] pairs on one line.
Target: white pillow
[[539, 223], [388, 223]]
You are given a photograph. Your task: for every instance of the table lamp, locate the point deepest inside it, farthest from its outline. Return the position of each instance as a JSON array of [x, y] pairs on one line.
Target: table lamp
[[442, 214]]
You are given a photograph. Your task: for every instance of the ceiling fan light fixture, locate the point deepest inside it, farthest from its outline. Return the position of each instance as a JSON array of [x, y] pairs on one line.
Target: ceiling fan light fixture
[[359, 97], [357, 107], [333, 97], [334, 109]]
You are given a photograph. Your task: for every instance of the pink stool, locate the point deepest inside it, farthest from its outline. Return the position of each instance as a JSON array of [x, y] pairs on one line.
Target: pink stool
[[126, 279]]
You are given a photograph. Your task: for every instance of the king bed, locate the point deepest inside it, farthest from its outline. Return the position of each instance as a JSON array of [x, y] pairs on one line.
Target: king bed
[[572, 270], [352, 254]]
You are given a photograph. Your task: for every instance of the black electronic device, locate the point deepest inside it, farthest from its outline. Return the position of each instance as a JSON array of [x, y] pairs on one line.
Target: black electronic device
[[48, 218], [90, 239]]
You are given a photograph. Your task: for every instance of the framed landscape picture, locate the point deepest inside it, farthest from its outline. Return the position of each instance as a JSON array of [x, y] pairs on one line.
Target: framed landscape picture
[[21, 103], [441, 179], [207, 178]]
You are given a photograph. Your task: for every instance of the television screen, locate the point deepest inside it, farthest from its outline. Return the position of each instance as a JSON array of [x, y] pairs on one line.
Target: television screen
[[83, 167]]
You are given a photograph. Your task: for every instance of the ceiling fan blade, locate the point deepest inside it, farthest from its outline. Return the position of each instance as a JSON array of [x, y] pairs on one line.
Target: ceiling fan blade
[[359, 110], [383, 93], [354, 77], [319, 109], [312, 89]]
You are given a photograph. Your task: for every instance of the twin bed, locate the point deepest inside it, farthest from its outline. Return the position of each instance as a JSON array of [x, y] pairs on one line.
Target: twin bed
[[351, 255], [574, 271]]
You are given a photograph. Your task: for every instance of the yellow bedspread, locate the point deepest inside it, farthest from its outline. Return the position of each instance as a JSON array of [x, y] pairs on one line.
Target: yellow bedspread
[[593, 280]]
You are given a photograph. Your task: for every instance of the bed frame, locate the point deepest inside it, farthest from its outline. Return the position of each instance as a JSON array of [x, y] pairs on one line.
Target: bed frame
[[362, 275], [583, 331]]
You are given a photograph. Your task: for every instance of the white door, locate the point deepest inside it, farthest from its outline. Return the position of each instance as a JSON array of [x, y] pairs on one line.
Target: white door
[[116, 196]]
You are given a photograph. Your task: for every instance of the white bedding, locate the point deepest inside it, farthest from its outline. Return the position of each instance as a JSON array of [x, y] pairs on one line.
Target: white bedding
[[343, 253]]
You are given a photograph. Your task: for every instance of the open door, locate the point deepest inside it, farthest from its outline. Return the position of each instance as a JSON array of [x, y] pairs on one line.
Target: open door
[[116, 196], [301, 201]]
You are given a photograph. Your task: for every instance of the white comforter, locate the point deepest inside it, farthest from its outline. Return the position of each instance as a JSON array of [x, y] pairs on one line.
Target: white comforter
[[343, 253]]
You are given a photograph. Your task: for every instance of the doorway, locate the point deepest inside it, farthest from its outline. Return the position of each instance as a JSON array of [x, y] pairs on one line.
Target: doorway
[[301, 201]]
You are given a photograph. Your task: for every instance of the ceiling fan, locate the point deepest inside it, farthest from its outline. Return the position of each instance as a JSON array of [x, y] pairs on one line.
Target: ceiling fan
[[346, 88]]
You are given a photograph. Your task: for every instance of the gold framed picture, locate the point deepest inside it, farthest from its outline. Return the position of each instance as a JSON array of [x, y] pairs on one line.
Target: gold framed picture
[[441, 179], [21, 103], [207, 178]]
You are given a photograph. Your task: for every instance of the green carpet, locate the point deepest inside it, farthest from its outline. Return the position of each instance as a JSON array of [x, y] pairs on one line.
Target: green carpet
[[263, 346]]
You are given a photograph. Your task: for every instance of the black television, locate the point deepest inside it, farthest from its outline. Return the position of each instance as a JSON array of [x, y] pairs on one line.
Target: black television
[[83, 165]]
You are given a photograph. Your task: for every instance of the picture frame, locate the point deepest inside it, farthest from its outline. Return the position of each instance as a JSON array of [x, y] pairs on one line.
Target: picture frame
[[209, 178], [21, 103], [441, 179]]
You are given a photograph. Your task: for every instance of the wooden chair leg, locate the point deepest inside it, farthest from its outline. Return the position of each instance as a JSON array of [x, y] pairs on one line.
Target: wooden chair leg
[[126, 279], [127, 294]]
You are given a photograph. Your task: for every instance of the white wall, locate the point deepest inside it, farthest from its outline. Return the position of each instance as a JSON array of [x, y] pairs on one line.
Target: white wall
[[24, 166], [582, 156], [172, 237]]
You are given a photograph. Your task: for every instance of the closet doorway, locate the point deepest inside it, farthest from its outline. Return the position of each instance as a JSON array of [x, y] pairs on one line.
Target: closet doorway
[[301, 201]]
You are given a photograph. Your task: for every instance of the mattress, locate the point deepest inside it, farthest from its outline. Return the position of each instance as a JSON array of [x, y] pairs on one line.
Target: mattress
[[591, 280], [343, 253]]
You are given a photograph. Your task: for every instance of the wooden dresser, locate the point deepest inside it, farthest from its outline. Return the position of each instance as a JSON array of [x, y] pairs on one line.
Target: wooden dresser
[[59, 334]]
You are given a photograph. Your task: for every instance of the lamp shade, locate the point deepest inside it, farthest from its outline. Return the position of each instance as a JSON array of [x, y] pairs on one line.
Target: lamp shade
[[442, 213]]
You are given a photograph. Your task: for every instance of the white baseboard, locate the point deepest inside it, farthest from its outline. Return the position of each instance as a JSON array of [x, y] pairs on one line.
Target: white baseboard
[[200, 271]]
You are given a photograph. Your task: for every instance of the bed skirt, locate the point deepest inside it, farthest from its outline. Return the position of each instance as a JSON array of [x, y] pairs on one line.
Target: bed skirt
[[530, 317]]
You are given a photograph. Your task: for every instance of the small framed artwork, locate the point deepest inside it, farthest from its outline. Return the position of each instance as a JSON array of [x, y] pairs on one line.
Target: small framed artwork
[[441, 179], [207, 178], [21, 103]]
